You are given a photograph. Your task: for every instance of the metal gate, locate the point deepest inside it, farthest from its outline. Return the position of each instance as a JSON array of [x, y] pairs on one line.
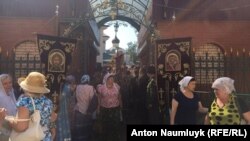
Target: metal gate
[[235, 65], [20, 66]]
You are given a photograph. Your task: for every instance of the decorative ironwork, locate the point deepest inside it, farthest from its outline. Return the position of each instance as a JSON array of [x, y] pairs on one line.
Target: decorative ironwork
[[208, 63], [134, 9]]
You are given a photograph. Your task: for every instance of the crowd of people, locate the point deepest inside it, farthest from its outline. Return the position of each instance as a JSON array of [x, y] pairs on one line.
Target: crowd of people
[[128, 96]]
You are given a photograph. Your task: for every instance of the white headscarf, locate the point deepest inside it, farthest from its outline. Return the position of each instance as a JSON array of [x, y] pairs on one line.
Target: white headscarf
[[184, 82], [105, 78], [224, 82], [7, 101], [85, 79]]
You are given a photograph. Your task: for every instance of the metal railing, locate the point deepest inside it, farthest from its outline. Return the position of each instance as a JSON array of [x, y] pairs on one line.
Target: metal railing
[[235, 65]]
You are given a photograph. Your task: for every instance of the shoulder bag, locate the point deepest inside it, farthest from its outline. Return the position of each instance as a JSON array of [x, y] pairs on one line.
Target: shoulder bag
[[93, 103], [34, 132]]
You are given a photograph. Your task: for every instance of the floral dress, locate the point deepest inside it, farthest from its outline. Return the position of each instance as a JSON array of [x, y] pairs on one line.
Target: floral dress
[[45, 106]]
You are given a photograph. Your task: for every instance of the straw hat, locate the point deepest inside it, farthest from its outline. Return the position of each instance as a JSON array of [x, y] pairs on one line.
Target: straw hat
[[35, 82]]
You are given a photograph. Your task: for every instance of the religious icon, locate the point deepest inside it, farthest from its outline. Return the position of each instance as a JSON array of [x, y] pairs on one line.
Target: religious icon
[[172, 61], [56, 62]]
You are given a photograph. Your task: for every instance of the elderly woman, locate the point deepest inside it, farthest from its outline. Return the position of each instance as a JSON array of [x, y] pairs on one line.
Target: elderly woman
[[7, 103], [226, 107], [34, 87], [83, 119], [110, 108], [186, 103], [7, 96]]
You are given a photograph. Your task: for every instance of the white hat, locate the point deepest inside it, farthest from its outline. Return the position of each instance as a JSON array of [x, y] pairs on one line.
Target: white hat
[[184, 82], [35, 82], [107, 76]]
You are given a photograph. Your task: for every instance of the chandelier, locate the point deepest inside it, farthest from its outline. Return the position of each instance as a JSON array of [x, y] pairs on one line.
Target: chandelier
[[116, 41]]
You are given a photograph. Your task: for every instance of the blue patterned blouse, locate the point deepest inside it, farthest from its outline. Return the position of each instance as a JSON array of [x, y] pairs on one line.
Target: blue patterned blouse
[[44, 105]]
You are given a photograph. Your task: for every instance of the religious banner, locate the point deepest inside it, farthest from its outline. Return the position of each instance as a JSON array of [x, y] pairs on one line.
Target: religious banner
[[119, 60], [173, 62], [55, 53]]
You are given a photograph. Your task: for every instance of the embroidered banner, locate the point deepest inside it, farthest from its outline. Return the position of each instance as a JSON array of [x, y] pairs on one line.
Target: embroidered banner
[[55, 53], [173, 62]]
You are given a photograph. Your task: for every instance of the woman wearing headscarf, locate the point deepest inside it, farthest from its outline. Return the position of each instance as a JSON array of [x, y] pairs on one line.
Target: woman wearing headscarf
[[8, 103], [83, 119], [65, 109], [186, 103], [226, 107], [110, 108], [34, 87]]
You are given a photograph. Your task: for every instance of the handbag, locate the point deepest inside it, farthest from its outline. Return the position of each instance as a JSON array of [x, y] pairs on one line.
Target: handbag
[[93, 103], [34, 132]]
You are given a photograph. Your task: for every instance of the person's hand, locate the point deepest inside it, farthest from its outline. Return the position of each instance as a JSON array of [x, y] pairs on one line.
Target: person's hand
[[11, 119], [2, 113], [53, 117]]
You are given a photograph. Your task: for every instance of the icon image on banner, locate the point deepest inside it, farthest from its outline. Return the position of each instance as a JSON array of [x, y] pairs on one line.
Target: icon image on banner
[[56, 61], [172, 61]]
